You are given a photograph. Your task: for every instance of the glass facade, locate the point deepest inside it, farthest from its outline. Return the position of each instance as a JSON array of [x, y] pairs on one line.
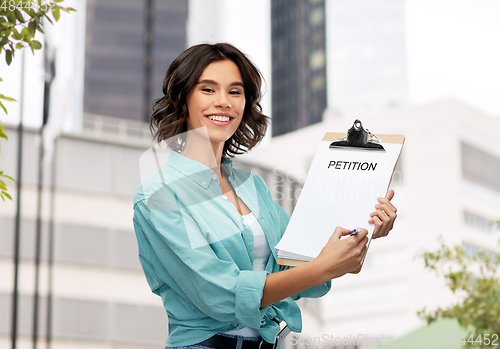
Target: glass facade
[[116, 53], [298, 64]]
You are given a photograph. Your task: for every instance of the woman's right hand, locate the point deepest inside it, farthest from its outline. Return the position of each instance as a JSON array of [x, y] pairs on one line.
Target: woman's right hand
[[338, 257], [341, 256]]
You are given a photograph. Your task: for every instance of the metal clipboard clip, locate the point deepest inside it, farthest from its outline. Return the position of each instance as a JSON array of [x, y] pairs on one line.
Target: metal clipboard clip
[[359, 138]]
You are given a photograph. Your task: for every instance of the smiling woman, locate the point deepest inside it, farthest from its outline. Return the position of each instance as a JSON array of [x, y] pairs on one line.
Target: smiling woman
[[207, 232]]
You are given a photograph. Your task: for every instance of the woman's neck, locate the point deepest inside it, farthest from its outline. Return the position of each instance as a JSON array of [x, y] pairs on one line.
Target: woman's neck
[[205, 152]]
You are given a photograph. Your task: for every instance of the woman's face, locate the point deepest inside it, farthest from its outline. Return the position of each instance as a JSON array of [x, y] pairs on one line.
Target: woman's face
[[217, 101]]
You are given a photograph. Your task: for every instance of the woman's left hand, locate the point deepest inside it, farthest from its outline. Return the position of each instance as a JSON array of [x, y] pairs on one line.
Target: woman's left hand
[[384, 216]]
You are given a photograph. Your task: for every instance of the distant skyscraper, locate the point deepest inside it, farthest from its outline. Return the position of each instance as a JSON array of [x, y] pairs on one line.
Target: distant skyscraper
[[116, 53], [298, 64], [367, 66]]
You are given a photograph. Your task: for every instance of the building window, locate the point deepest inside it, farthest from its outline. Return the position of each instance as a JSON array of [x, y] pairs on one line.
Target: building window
[[480, 167], [480, 222], [473, 251]]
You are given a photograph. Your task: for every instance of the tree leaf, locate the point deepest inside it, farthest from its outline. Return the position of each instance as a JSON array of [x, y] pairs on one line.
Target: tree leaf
[[7, 195], [25, 33], [30, 12], [19, 15], [48, 18], [35, 45], [5, 98], [3, 107], [8, 57], [11, 16], [32, 27], [4, 40], [56, 12], [9, 177], [3, 135], [5, 24], [16, 35]]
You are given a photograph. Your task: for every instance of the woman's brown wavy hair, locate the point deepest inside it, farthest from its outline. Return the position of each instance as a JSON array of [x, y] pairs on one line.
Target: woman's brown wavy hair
[[170, 112]]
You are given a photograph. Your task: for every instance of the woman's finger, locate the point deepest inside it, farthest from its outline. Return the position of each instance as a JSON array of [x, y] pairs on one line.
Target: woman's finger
[[387, 204], [339, 232], [389, 195], [389, 211], [382, 216], [382, 228]]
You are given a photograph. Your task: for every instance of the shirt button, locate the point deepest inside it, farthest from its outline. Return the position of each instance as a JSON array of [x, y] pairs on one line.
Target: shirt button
[[224, 197], [214, 176], [244, 223], [260, 217], [204, 183]]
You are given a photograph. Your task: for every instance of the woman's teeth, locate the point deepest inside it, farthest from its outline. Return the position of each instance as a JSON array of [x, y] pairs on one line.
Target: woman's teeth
[[219, 118]]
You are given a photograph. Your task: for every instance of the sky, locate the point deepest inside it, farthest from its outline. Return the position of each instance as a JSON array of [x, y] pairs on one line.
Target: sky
[[453, 49]]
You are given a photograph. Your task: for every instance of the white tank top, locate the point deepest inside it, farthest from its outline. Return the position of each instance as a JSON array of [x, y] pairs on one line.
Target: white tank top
[[261, 253]]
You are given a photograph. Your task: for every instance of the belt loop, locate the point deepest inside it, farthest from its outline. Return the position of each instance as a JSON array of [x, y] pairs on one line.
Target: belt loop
[[265, 345], [239, 343], [274, 345]]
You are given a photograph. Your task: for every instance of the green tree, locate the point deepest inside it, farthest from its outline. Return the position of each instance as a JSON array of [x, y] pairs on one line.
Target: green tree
[[20, 20], [473, 278]]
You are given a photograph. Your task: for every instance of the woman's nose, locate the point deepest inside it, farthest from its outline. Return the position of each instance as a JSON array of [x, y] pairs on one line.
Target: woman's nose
[[223, 101]]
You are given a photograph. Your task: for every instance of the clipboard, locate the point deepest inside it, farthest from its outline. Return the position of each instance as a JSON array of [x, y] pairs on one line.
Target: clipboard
[[348, 173]]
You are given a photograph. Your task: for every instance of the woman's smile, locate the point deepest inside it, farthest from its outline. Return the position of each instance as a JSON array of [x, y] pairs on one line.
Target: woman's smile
[[220, 119]]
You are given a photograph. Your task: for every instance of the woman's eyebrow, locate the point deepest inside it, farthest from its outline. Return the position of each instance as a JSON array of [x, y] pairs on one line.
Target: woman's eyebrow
[[213, 82]]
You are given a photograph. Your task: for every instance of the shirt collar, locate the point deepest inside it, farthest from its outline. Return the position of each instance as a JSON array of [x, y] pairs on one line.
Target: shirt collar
[[195, 170]]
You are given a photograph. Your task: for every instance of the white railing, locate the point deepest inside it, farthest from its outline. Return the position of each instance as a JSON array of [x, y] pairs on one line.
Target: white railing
[[121, 128]]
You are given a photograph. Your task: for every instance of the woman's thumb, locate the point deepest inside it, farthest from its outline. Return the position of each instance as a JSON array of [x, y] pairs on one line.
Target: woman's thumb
[[339, 232]]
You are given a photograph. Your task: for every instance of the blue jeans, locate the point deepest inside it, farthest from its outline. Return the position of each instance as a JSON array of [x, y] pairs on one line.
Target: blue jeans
[[238, 345]]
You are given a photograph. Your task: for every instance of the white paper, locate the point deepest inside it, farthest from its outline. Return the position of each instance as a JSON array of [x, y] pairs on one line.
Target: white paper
[[341, 189]]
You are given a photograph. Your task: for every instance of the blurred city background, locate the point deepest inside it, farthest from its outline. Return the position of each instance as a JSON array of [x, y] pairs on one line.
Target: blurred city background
[[428, 69]]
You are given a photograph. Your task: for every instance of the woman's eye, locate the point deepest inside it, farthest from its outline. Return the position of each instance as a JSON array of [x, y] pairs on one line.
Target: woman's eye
[[235, 92], [207, 90]]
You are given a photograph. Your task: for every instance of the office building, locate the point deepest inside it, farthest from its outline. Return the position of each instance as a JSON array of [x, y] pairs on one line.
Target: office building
[[124, 56], [298, 64]]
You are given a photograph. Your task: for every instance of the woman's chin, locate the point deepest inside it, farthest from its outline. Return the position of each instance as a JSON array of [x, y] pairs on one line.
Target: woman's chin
[[219, 137]]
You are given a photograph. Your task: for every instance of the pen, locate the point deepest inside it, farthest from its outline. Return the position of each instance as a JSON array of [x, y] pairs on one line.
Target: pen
[[355, 231]]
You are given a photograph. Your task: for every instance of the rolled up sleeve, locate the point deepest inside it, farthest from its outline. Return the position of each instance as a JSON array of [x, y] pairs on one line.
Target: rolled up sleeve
[[249, 291]]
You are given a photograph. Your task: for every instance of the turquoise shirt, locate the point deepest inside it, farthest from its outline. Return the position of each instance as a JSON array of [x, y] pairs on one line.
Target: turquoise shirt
[[197, 253]]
